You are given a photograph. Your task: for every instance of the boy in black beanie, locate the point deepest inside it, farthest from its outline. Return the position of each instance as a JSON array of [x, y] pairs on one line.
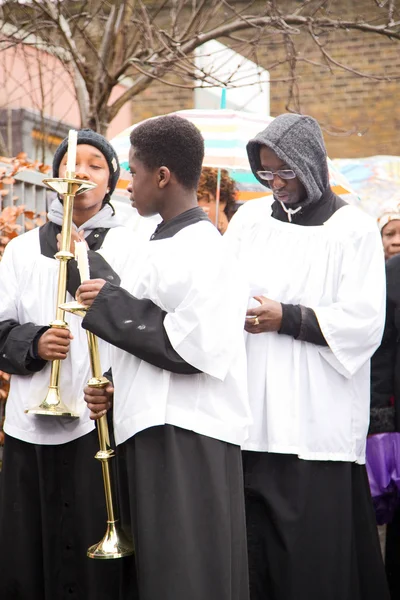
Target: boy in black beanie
[[52, 505]]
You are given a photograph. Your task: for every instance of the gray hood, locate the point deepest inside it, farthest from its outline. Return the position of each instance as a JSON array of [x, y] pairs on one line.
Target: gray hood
[[104, 218], [298, 141]]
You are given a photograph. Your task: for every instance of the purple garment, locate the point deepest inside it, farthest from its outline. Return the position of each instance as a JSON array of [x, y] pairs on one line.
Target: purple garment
[[383, 467]]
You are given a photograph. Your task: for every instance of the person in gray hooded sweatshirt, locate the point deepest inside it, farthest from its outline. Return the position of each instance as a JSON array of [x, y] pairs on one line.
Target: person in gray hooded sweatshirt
[[316, 313]]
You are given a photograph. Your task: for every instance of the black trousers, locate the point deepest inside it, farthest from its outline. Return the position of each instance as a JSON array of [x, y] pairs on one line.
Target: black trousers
[[184, 501], [392, 555], [311, 530], [52, 508]]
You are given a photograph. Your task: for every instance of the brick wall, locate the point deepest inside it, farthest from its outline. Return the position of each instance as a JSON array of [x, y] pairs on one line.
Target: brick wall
[[360, 117], [160, 99]]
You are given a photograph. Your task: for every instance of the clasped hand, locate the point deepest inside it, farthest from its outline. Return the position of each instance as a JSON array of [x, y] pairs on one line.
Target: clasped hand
[[264, 318], [54, 343], [99, 400]]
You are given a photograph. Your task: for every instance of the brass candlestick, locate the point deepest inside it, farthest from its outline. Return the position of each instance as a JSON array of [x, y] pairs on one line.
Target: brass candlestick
[[114, 543], [68, 187]]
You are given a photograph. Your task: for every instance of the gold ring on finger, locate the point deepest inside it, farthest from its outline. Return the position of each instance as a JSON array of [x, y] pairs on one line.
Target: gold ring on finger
[[256, 321]]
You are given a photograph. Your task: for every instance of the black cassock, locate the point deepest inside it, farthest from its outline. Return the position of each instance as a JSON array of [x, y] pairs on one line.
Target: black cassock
[[181, 492], [311, 527]]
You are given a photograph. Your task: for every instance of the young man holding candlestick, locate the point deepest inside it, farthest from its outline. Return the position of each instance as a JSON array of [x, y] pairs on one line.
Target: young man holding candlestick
[[180, 402], [52, 504]]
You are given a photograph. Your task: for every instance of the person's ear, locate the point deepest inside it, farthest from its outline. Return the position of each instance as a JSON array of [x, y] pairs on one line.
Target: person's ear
[[164, 177]]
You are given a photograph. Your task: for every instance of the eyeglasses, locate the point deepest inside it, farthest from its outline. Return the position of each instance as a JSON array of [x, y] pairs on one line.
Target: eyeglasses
[[269, 175]]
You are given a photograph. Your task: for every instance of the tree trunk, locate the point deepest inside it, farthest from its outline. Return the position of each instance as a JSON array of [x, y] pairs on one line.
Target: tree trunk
[[98, 120]]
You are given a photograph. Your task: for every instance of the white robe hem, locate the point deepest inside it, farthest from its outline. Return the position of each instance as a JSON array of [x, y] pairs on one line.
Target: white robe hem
[[35, 436], [306, 455], [193, 422]]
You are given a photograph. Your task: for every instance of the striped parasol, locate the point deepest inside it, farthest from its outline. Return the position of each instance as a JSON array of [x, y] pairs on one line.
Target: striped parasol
[[226, 133]]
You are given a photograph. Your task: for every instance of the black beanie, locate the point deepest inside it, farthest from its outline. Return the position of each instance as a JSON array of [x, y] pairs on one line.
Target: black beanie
[[90, 137]]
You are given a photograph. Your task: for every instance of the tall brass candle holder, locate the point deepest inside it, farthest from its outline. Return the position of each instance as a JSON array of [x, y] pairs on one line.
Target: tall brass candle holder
[[114, 543], [68, 187]]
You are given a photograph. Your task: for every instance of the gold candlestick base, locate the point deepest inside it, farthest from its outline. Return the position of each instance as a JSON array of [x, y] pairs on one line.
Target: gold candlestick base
[[113, 545], [52, 406]]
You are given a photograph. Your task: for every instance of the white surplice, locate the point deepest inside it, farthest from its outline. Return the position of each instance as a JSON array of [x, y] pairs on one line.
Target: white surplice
[[28, 293], [306, 399], [192, 278]]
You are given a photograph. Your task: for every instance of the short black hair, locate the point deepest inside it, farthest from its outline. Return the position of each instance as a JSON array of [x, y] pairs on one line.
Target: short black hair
[[172, 142]]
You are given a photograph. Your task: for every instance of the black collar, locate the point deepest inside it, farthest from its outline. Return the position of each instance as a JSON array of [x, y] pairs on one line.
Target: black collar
[[167, 229], [48, 238], [316, 213]]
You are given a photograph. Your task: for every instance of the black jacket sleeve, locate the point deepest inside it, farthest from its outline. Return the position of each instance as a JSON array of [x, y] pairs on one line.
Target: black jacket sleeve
[[385, 392], [301, 323], [99, 269], [16, 342], [136, 326], [382, 417]]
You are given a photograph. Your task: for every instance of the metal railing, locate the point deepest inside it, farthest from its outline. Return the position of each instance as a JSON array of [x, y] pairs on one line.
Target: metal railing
[[30, 191]]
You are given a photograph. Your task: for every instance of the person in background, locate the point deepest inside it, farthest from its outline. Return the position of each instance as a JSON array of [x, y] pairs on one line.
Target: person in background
[[206, 196], [383, 443], [389, 225], [52, 505], [316, 271]]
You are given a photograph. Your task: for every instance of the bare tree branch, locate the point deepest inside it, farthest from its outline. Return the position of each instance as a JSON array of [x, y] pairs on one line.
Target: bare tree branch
[[293, 97], [331, 60], [79, 61], [196, 15], [101, 42]]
